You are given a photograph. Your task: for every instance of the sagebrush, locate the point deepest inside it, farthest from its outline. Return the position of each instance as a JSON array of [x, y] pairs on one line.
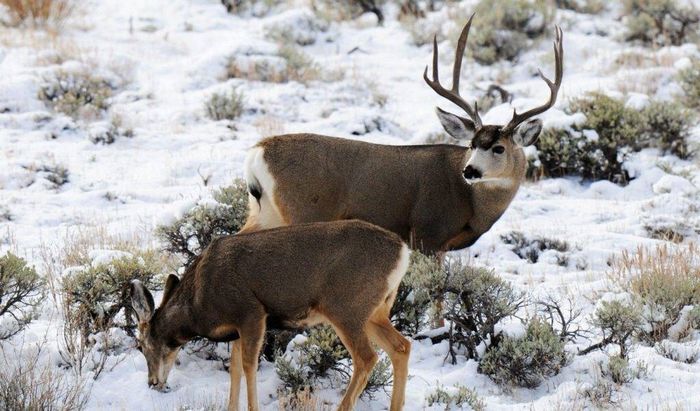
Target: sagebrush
[[21, 293], [598, 148], [188, 235]]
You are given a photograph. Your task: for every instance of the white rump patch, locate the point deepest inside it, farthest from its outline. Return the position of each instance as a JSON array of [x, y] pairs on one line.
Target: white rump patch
[[398, 272], [258, 173]]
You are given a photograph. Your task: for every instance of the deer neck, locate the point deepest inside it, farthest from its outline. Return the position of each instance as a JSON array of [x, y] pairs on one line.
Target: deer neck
[[173, 321], [491, 198]]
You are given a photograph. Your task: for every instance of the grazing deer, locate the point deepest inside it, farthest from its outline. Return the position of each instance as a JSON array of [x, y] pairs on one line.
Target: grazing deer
[[345, 273], [436, 197]]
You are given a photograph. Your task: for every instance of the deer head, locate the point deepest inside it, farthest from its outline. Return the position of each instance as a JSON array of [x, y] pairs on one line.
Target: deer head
[[495, 150], [160, 352]]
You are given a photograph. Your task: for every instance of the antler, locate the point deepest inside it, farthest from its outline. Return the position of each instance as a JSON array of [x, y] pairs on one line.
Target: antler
[[553, 86], [453, 95]]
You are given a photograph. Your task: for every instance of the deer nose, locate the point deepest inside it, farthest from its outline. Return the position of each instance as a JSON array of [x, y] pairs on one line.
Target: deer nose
[[471, 173]]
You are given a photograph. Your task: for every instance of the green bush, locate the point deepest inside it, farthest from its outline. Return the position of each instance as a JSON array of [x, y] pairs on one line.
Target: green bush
[[526, 361], [190, 234], [619, 370], [661, 22], [689, 80], [320, 354], [21, 293], [95, 295], [409, 312], [76, 93], [504, 28], [618, 322], [473, 300], [618, 131], [225, 106], [458, 397]]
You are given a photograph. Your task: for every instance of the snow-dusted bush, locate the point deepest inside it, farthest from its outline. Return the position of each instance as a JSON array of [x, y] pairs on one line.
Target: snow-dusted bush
[[332, 10], [504, 28], [108, 132], [21, 292], [661, 22], [225, 106], [76, 93], [96, 297], [190, 234], [409, 312], [618, 370], [598, 148], [530, 248], [678, 352], [582, 6], [618, 322], [300, 66], [663, 281], [471, 299], [256, 8], [300, 27], [270, 69], [317, 356], [526, 361], [458, 396], [689, 80], [39, 13]]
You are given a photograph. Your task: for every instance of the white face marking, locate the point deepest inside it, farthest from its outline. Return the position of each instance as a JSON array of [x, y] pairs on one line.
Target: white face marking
[[481, 160]]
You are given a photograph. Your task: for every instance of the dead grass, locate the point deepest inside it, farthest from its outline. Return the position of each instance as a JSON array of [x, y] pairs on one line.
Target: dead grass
[[269, 125], [29, 383], [40, 13], [664, 279], [302, 400]]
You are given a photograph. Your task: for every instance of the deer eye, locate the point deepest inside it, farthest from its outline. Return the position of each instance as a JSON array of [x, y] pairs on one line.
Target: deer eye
[[499, 149]]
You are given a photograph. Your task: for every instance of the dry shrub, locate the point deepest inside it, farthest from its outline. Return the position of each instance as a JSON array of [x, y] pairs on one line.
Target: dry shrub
[[76, 93], [269, 125], [29, 384], [663, 280], [302, 400], [40, 13]]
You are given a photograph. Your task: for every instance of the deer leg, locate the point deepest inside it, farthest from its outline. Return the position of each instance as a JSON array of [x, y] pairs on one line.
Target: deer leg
[[363, 360], [235, 371], [251, 342], [398, 348]]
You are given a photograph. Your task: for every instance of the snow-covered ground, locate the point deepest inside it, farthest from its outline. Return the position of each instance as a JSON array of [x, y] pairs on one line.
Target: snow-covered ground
[[168, 56]]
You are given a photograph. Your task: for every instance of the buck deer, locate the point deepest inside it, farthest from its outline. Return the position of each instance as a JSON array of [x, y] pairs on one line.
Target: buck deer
[[436, 197], [345, 273]]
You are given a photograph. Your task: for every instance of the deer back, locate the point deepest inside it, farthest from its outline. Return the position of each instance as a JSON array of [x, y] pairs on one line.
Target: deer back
[[291, 273]]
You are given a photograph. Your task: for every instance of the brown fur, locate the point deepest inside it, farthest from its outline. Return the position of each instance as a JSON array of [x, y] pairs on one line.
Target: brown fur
[[320, 272], [405, 189]]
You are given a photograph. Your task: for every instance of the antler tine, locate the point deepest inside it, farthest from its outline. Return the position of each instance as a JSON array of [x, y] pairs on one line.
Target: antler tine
[[553, 85], [453, 94]]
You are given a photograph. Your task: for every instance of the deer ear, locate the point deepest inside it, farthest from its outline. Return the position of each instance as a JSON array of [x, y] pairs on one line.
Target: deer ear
[[170, 285], [526, 134], [142, 301], [458, 127]]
